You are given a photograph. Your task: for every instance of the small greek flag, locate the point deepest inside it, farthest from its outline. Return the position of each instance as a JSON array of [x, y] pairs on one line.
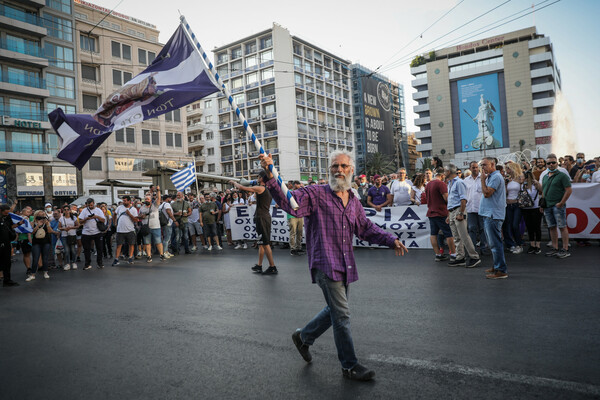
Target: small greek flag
[[185, 177], [25, 228]]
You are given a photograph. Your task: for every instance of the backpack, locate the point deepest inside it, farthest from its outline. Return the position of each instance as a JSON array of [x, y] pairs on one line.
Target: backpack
[[40, 233], [162, 218], [524, 200]]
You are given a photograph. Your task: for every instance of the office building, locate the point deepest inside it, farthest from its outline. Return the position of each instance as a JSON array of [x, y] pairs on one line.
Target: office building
[[296, 98], [113, 52], [37, 74], [379, 118], [492, 96]]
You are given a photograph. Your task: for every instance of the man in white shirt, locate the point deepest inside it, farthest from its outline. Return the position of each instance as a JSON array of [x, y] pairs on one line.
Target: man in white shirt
[[124, 218], [474, 220], [402, 190], [596, 177], [89, 218], [194, 226], [167, 230]]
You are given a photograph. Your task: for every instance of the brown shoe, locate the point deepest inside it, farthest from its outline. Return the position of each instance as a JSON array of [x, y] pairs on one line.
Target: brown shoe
[[490, 271], [497, 275]]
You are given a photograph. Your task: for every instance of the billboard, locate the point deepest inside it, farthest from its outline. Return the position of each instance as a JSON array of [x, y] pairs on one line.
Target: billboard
[[377, 107], [480, 113]]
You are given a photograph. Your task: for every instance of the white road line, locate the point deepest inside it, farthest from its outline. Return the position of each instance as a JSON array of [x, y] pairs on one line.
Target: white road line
[[484, 373]]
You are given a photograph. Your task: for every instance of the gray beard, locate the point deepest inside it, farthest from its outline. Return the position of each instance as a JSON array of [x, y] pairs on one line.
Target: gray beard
[[340, 185]]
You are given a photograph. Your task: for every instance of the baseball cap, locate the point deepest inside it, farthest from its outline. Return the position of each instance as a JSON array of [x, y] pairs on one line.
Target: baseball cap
[[375, 177], [48, 204], [362, 176]]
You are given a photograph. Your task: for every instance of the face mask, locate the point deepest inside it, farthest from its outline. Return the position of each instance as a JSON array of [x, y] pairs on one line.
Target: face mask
[[580, 161], [49, 209], [138, 205], [147, 203], [586, 176]]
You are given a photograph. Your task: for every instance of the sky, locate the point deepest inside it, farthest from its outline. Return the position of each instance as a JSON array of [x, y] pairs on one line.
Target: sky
[[390, 33]]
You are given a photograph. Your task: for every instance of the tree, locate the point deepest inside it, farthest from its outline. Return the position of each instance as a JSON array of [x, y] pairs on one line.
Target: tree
[[418, 60], [425, 164], [378, 163]]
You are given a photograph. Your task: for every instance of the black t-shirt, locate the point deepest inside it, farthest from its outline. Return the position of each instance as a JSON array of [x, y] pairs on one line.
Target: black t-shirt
[[263, 204], [46, 239], [573, 171], [7, 234]]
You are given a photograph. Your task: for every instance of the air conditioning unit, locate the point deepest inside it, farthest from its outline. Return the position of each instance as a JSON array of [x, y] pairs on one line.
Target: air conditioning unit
[[272, 96]]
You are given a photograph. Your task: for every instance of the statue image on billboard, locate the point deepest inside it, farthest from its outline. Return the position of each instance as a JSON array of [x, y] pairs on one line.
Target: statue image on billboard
[[484, 121]]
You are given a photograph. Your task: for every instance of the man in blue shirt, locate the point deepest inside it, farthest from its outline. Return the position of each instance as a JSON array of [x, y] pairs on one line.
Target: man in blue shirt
[[379, 196], [493, 210], [457, 203]]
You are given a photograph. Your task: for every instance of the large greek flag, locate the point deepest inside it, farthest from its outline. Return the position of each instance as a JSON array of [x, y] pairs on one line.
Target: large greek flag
[[184, 178], [177, 77], [25, 228]]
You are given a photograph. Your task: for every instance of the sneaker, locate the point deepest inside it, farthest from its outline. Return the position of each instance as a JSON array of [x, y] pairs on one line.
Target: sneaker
[[237, 247], [441, 257], [300, 252], [218, 247], [537, 250], [149, 259], [73, 266], [549, 244], [115, 263], [30, 278], [245, 246], [358, 373], [209, 248], [518, 250], [512, 249], [138, 256], [552, 253], [293, 252], [167, 255], [257, 268], [88, 267], [497, 275], [67, 267], [302, 348], [457, 262], [9, 283], [100, 266], [46, 276], [162, 257], [531, 250], [130, 260], [270, 271], [490, 271], [562, 253], [194, 248], [473, 262]]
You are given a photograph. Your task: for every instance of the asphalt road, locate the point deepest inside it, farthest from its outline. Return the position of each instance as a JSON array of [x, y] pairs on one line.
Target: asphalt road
[[203, 326]]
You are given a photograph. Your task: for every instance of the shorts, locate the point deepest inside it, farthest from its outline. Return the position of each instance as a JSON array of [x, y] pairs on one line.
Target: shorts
[[437, 224], [194, 228], [263, 230], [126, 238], [210, 230], [556, 216], [153, 236], [25, 246]]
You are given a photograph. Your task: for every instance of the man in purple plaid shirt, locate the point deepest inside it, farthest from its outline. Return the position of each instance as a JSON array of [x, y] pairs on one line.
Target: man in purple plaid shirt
[[332, 216]]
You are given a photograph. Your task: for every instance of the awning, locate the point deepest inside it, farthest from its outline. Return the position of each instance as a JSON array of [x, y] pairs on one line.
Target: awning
[[124, 183]]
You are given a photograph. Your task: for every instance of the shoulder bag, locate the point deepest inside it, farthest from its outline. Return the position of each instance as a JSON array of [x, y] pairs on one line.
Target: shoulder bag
[[544, 192]]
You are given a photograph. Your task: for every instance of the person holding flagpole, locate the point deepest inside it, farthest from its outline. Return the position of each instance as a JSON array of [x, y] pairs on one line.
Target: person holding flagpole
[[333, 215]]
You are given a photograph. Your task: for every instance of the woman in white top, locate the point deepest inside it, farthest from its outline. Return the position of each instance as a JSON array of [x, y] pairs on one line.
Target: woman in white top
[[226, 220], [533, 214], [418, 188], [238, 199], [512, 221], [67, 225], [149, 217]]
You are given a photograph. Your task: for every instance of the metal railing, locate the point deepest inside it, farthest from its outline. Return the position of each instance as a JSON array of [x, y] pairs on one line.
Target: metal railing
[[21, 47], [24, 147], [19, 15], [24, 80]]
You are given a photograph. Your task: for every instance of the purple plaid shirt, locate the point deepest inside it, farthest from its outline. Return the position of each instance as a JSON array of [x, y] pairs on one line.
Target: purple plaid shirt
[[330, 228]]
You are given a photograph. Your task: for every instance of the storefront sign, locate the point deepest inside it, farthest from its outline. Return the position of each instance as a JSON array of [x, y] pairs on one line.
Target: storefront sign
[[3, 190], [6, 120], [30, 180], [65, 193]]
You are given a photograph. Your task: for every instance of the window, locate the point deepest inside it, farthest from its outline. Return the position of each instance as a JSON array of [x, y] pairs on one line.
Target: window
[[90, 102], [253, 112], [58, 56], [266, 73], [121, 77], [297, 62], [126, 135], [236, 52], [269, 108], [268, 90], [237, 83], [266, 41], [207, 104], [66, 108], [210, 151], [24, 77], [222, 57], [250, 47], [298, 78], [252, 94], [60, 5], [208, 119], [211, 167], [89, 72], [210, 135], [95, 163], [146, 57], [25, 109], [239, 98], [178, 140], [150, 137], [251, 78], [236, 66], [60, 86], [87, 43], [120, 50], [170, 139], [59, 27], [173, 116], [266, 56], [251, 61], [308, 66]]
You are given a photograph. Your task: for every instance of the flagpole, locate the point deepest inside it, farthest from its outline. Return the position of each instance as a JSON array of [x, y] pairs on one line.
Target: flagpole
[[196, 176], [238, 112]]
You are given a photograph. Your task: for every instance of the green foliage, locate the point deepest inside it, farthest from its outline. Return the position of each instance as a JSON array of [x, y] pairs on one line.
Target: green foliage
[[380, 164], [418, 60], [426, 164], [432, 55]]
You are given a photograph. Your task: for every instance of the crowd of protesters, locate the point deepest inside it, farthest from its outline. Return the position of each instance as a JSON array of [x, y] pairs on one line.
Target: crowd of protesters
[[164, 224]]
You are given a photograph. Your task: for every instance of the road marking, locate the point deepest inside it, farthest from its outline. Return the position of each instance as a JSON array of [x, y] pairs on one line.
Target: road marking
[[484, 373]]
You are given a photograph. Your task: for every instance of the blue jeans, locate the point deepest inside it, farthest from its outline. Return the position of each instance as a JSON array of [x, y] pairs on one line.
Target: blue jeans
[[166, 232], [69, 253], [181, 233], [476, 228], [512, 225], [493, 232], [335, 313], [38, 250]]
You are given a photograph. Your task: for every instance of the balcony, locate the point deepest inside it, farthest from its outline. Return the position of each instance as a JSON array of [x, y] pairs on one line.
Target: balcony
[[21, 113], [422, 121], [193, 112], [17, 20], [421, 108], [24, 85], [26, 151], [196, 143], [420, 95], [196, 127], [424, 147], [22, 53]]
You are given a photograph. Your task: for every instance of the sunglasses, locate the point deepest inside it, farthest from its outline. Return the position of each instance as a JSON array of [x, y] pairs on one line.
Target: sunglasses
[[551, 162]]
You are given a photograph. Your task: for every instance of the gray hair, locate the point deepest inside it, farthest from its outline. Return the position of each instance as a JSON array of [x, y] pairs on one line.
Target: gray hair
[[552, 155], [337, 153], [492, 159], [451, 168], [213, 195], [401, 169]]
